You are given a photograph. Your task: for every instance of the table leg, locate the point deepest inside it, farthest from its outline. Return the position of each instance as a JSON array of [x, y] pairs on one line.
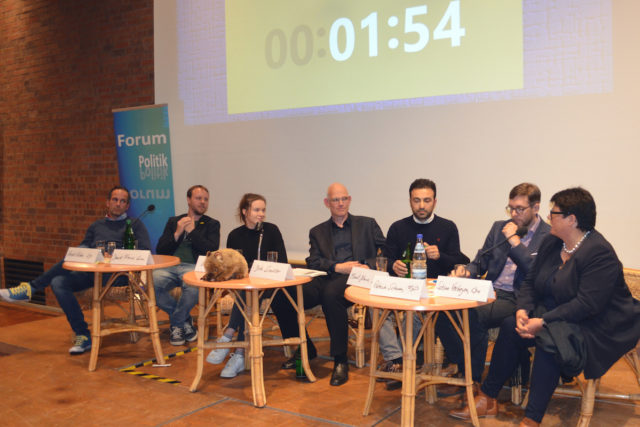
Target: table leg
[[153, 319], [302, 328], [408, 373], [467, 367], [131, 293], [360, 356], [201, 328], [96, 308], [430, 339], [376, 324], [255, 348]]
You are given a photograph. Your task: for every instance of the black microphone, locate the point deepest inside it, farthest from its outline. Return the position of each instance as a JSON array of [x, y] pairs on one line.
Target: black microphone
[[260, 228], [150, 208], [520, 232]]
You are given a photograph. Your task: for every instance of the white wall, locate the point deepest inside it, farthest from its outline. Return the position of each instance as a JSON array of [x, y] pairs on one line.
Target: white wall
[[475, 152]]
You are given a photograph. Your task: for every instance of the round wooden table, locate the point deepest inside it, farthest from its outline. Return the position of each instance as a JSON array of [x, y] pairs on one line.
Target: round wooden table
[[146, 292], [254, 287], [427, 377]]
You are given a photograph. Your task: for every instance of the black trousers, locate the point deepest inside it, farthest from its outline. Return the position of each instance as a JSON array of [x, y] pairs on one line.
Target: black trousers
[[287, 316], [328, 291], [481, 319], [281, 307], [504, 360]]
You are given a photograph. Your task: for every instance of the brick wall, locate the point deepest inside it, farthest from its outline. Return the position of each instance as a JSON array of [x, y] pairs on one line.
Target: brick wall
[[63, 67]]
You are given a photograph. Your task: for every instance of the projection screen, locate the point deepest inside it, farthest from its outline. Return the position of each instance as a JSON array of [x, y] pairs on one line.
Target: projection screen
[[284, 97]]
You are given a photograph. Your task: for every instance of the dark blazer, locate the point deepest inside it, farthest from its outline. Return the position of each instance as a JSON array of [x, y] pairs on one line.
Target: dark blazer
[[493, 262], [366, 238], [205, 237], [588, 290]]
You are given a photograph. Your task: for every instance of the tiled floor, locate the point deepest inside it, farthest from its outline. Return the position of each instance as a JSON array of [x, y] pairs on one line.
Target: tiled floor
[[41, 384]]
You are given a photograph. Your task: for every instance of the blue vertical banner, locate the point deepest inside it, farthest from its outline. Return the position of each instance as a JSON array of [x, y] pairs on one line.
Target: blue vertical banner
[[144, 161]]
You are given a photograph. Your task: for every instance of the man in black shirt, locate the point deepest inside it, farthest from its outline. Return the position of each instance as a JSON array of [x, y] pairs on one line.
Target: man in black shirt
[[442, 247], [186, 236]]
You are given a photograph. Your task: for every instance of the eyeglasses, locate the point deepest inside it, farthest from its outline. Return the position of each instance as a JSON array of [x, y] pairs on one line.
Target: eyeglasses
[[342, 199], [551, 213], [519, 209]]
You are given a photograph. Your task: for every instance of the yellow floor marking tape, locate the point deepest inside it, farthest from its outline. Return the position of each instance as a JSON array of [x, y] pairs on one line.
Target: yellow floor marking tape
[[131, 369]]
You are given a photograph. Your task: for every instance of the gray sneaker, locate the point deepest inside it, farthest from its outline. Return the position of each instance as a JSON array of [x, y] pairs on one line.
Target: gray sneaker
[[190, 331], [218, 355], [177, 335], [234, 366]]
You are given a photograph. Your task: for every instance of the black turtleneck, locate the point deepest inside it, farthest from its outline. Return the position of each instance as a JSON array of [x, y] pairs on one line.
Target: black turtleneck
[[246, 240]]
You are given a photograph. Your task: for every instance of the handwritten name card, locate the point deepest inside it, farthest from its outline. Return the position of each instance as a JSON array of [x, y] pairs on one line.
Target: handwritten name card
[[131, 257], [397, 287], [363, 277], [200, 264], [463, 288], [87, 255], [271, 270]]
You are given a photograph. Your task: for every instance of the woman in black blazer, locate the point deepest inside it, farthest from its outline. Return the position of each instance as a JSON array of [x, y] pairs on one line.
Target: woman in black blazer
[[576, 278]]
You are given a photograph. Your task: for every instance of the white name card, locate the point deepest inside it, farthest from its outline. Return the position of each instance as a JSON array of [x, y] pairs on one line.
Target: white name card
[[131, 257], [271, 270], [363, 277], [86, 255], [463, 288], [200, 264], [397, 287]]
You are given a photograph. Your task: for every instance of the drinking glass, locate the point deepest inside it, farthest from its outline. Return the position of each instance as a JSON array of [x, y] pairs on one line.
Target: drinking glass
[[381, 263], [272, 256], [459, 270], [111, 246], [100, 244]]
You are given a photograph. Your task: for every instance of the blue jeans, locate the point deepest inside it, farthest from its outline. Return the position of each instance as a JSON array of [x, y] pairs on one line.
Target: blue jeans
[[63, 284], [390, 344], [166, 279]]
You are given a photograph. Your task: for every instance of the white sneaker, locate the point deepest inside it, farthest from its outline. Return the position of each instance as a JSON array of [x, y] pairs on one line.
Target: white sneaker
[[234, 366], [217, 356]]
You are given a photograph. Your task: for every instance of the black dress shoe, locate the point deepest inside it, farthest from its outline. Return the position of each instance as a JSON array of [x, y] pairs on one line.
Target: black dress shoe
[[393, 385], [340, 374], [291, 363]]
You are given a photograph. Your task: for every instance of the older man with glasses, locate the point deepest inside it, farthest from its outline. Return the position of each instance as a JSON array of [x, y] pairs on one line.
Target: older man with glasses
[[337, 245], [506, 256]]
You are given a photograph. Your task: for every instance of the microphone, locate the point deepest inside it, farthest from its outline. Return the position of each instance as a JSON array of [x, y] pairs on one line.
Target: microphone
[[150, 208], [520, 232], [260, 228]]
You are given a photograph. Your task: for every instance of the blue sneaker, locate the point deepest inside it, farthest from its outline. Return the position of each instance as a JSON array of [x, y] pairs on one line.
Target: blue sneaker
[[22, 292], [81, 344]]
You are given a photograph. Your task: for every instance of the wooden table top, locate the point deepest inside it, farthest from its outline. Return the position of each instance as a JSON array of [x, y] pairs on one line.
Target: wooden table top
[[159, 261], [194, 278], [361, 296]]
